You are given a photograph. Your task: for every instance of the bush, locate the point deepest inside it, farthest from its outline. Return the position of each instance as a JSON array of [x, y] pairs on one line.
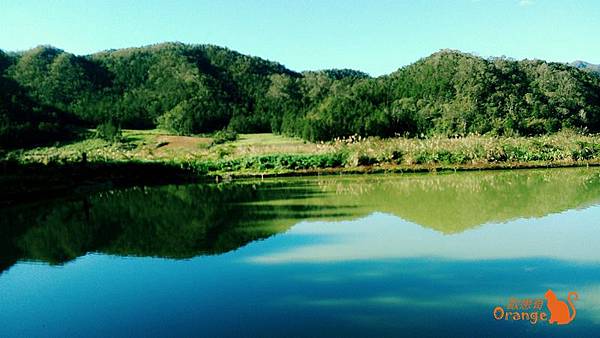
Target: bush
[[177, 120], [223, 136], [109, 131]]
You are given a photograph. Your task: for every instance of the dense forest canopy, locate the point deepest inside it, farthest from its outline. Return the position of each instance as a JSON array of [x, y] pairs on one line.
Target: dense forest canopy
[[193, 89]]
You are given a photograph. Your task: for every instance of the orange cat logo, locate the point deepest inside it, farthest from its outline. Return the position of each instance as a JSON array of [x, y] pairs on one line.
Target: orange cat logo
[[559, 310]]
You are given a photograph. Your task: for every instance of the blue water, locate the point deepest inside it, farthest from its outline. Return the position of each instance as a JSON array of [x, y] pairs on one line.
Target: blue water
[[372, 275]]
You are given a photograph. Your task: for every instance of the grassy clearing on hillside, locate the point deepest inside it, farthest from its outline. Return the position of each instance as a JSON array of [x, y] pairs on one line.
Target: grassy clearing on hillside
[[263, 144], [267, 153]]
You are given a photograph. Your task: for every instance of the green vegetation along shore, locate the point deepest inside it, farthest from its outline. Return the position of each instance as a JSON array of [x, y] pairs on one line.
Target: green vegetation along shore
[[263, 154], [155, 156]]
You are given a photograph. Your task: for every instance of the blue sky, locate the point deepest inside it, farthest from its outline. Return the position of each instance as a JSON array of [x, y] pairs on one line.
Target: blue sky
[[376, 36]]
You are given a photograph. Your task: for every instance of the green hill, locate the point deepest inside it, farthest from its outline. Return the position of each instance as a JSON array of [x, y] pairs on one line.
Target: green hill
[[193, 89]]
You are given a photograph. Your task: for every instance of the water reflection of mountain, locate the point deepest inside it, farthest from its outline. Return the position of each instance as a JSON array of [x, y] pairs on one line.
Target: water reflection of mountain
[[452, 203], [190, 220], [169, 221]]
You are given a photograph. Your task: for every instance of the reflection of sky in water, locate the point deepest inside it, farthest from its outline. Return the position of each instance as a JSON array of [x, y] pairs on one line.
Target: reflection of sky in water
[[376, 276], [572, 235]]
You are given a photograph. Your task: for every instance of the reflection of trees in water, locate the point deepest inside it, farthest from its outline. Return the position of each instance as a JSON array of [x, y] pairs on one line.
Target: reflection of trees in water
[[466, 182], [168, 221], [188, 220], [454, 202]]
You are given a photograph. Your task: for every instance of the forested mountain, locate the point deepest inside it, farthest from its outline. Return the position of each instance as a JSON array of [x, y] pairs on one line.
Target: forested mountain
[[23, 120], [202, 88], [451, 92]]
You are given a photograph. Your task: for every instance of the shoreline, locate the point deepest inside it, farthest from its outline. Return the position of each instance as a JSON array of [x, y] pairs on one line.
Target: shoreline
[[415, 169], [154, 158], [35, 182]]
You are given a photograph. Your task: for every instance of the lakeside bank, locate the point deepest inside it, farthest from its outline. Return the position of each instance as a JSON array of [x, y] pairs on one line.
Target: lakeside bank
[[153, 158]]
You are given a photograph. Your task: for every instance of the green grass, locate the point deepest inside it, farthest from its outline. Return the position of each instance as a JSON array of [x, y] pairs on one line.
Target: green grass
[[253, 154], [267, 139]]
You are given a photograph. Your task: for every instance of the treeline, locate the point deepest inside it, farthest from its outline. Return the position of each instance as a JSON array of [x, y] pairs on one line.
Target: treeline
[[193, 89]]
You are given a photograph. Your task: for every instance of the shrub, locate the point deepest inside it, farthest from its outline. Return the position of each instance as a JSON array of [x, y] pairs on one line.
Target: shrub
[[109, 131], [223, 136]]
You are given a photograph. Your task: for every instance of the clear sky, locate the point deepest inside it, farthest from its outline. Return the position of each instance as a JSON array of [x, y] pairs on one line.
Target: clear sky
[[376, 36]]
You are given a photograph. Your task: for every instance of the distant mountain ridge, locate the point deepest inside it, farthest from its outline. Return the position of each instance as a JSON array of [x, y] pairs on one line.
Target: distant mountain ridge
[[191, 89], [586, 66]]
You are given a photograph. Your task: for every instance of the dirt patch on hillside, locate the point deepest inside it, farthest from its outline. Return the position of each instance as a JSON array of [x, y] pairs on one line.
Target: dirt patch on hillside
[[190, 143]]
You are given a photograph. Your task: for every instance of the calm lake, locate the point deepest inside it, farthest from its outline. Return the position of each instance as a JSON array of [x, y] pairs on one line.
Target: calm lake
[[380, 255]]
